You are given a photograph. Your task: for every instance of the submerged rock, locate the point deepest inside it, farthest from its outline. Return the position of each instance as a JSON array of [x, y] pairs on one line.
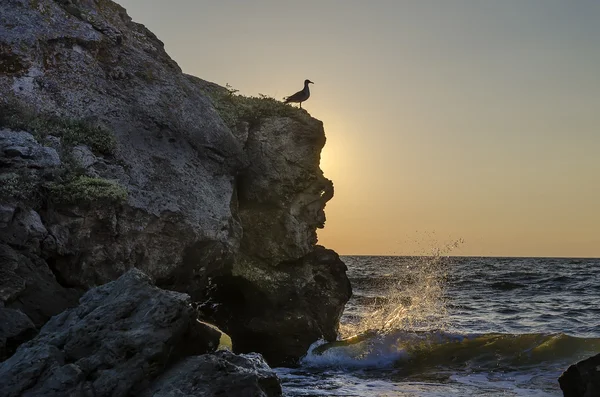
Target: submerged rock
[[121, 336], [582, 379], [219, 374]]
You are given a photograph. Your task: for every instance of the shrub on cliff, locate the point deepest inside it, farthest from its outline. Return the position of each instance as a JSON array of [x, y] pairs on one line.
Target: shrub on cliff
[[17, 186], [16, 116], [85, 189], [234, 108]]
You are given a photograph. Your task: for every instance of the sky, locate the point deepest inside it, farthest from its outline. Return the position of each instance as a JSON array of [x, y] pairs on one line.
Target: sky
[[446, 121]]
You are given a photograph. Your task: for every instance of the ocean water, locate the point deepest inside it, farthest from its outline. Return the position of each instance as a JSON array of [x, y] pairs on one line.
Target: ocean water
[[447, 326]]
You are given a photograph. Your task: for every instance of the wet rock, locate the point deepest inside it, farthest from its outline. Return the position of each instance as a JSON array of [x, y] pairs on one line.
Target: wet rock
[[582, 379], [120, 337], [219, 374], [282, 312]]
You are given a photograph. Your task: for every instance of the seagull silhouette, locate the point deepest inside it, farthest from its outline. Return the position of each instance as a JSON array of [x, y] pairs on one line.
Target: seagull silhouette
[[300, 96]]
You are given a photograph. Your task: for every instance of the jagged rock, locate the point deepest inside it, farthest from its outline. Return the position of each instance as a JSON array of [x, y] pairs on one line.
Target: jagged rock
[[25, 228], [27, 284], [582, 379], [120, 337], [20, 149], [283, 293], [219, 374], [280, 313], [15, 328], [283, 192]]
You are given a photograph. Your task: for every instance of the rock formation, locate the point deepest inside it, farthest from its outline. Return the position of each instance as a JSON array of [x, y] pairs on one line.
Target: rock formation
[[582, 379], [220, 374], [119, 339], [111, 158]]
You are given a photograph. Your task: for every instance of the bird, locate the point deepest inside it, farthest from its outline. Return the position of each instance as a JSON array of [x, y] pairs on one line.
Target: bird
[[300, 96]]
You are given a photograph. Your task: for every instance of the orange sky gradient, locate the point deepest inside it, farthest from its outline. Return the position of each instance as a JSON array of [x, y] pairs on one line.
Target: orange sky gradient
[[445, 120]]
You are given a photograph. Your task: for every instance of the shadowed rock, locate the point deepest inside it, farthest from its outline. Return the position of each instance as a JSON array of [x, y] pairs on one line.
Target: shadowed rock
[[582, 379], [281, 314], [219, 374], [120, 337], [28, 285], [15, 328]]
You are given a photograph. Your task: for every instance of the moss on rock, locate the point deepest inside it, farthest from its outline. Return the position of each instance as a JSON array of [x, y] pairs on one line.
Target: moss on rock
[[16, 116], [17, 186], [85, 189]]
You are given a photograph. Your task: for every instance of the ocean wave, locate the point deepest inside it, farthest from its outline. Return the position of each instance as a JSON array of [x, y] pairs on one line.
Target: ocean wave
[[417, 351]]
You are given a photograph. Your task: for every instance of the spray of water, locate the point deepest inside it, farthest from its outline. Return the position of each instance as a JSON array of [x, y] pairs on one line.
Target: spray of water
[[415, 297]]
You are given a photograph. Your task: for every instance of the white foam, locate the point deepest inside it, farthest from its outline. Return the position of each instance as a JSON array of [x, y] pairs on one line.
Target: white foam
[[377, 352]]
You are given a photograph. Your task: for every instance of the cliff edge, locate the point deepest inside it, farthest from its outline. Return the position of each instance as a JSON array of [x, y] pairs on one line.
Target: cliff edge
[[111, 158]]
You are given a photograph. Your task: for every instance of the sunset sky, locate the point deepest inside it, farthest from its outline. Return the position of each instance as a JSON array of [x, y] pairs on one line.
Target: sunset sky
[[445, 120]]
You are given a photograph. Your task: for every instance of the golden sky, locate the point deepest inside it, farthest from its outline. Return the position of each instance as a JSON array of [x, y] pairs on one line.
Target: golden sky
[[445, 120]]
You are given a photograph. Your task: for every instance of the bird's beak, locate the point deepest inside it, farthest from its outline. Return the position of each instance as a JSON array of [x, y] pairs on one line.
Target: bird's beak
[[310, 82]]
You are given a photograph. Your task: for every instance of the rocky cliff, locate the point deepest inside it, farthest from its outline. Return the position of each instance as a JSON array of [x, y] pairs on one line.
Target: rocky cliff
[[111, 158]]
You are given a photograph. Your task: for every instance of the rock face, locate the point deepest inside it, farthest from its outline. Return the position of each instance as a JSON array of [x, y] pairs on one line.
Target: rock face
[[281, 310], [121, 336], [87, 62], [220, 374], [582, 379], [113, 159]]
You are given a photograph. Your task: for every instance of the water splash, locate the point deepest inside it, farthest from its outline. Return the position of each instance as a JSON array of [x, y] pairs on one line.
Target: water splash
[[414, 297]]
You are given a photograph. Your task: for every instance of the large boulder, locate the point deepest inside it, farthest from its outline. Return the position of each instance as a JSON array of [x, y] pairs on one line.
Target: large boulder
[[219, 374], [121, 336], [582, 379], [280, 311]]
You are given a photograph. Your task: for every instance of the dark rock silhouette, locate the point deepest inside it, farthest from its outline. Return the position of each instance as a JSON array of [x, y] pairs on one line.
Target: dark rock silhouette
[[582, 379]]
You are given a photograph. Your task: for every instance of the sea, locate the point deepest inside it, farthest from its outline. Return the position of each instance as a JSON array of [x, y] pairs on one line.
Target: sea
[[440, 326]]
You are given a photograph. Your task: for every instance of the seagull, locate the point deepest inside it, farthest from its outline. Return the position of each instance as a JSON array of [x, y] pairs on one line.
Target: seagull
[[300, 96]]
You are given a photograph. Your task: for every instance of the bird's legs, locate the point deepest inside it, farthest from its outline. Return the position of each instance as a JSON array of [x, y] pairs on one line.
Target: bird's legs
[[300, 105]]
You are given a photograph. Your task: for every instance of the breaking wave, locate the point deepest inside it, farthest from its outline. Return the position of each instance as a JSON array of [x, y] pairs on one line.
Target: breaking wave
[[419, 350]]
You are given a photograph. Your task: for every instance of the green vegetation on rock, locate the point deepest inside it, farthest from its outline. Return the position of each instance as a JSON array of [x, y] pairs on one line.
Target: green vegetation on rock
[[85, 189], [234, 108], [17, 186], [73, 132]]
